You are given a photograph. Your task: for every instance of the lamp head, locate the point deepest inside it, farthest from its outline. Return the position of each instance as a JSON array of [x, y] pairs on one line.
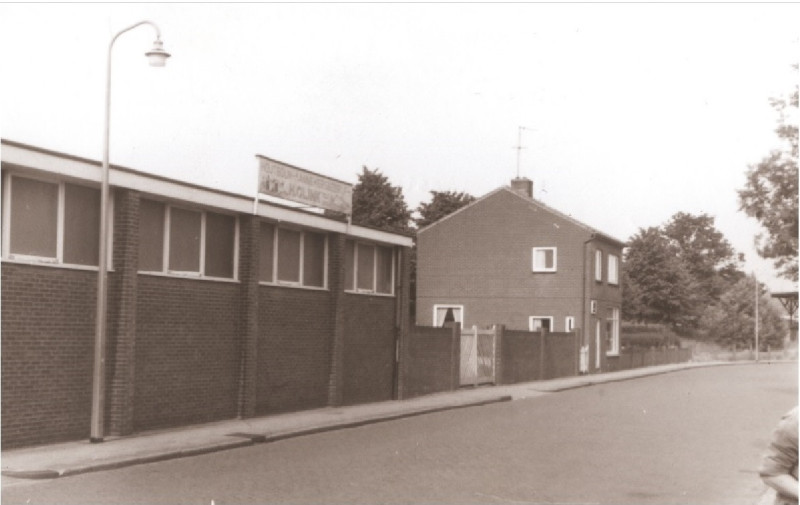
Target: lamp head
[[157, 55]]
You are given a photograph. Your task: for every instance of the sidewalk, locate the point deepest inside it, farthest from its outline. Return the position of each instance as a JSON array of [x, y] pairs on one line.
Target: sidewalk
[[72, 458]]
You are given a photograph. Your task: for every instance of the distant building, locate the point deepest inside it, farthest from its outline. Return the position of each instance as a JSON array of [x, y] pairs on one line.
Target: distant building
[[217, 308], [509, 259]]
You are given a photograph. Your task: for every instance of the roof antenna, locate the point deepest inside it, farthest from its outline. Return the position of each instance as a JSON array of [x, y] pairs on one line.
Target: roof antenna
[[519, 147]]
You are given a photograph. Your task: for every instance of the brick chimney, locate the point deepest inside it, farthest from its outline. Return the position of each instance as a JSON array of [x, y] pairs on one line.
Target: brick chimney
[[523, 186]]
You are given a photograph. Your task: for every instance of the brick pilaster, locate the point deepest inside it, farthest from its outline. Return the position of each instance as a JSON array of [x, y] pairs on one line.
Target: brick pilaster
[[403, 322], [121, 349], [248, 276], [336, 249]]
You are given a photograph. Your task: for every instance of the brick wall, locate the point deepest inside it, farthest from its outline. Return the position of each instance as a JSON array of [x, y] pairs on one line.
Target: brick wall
[[294, 349], [47, 352], [432, 361], [187, 351], [369, 349], [526, 357]]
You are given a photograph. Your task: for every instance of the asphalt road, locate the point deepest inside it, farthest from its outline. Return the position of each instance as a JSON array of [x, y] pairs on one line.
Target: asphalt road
[[694, 436]]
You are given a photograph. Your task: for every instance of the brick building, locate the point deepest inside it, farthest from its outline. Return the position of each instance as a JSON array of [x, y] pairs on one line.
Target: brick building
[[217, 308], [509, 259]]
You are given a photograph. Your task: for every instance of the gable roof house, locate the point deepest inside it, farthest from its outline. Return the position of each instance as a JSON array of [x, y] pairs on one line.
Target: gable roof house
[[509, 259]]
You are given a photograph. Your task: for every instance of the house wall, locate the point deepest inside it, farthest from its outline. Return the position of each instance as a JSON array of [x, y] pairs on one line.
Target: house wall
[[481, 257]]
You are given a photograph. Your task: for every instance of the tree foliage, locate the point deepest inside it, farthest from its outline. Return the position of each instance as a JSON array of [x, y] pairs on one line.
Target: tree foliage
[[731, 320], [770, 194], [378, 204], [443, 203], [657, 288], [673, 272], [705, 252]]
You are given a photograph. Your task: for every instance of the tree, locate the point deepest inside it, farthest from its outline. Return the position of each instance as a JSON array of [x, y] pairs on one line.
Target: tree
[[442, 204], [657, 288], [379, 204], [705, 252], [731, 321], [770, 194]]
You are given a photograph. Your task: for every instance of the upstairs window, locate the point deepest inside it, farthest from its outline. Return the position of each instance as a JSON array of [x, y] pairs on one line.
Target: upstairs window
[[613, 269], [51, 222], [369, 268], [181, 241], [598, 265], [544, 259], [292, 257]]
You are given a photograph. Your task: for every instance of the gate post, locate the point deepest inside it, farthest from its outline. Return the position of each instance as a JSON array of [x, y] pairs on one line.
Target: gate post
[[455, 357], [499, 330], [541, 354]]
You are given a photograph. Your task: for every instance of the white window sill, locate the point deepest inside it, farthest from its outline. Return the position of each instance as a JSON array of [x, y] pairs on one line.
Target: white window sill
[[190, 276], [52, 264], [291, 285]]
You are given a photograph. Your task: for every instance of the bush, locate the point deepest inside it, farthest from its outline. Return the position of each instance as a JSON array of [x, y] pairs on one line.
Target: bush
[[647, 337]]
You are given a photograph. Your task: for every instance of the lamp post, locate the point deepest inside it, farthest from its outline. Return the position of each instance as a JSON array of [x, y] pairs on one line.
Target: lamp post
[[157, 58]]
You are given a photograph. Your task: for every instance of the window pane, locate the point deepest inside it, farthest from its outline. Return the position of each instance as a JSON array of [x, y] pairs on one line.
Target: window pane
[[366, 267], [266, 252], [220, 237], [598, 265], [349, 264], [613, 269], [151, 236], [288, 255], [549, 261], [184, 240], [314, 259], [34, 215], [384, 270], [81, 225]]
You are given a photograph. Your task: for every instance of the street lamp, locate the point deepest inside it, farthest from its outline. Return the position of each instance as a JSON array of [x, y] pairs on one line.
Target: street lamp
[[157, 58]]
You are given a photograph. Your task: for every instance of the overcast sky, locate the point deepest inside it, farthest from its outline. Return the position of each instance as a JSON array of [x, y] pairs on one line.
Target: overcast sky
[[633, 111]]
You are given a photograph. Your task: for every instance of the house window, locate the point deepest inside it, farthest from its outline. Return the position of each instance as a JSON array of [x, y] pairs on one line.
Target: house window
[[569, 323], [292, 257], [539, 323], [598, 265], [444, 315], [612, 332], [369, 268], [180, 241], [613, 269], [544, 259], [51, 222]]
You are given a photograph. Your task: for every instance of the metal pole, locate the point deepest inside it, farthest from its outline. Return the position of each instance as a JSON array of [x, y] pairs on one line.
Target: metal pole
[[99, 375], [756, 283]]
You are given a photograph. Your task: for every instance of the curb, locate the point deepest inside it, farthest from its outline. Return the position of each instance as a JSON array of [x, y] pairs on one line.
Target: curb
[[249, 439]]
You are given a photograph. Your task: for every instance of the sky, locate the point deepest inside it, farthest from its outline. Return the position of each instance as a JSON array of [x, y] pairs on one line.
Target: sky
[[632, 112]]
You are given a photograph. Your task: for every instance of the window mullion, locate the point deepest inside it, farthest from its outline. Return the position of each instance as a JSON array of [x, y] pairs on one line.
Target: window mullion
[[60, 223], [202, 266], [165, 267]]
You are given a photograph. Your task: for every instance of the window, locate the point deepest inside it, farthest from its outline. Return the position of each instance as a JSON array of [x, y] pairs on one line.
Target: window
[[612, 332], [539, 323], [569, 323], [182, 241], [598, 265], [544, 259], [369, 268], [447, 314], [613, 269], [292, 257], [51, 222]]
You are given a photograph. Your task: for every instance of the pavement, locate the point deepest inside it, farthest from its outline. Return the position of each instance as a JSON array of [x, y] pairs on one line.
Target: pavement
[[73, 458]]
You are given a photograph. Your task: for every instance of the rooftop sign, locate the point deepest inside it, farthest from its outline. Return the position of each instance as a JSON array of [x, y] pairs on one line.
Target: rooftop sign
[[298, 185]]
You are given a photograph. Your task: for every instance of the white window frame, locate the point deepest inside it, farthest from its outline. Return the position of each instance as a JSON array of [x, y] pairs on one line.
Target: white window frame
[[613, 272], [438, 306], [58, 260], [569, 324], [613, 350], [275, 248], [165, 270], [536, 268], [531, 319], [597, 343], [374, 291], [598, 265]]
